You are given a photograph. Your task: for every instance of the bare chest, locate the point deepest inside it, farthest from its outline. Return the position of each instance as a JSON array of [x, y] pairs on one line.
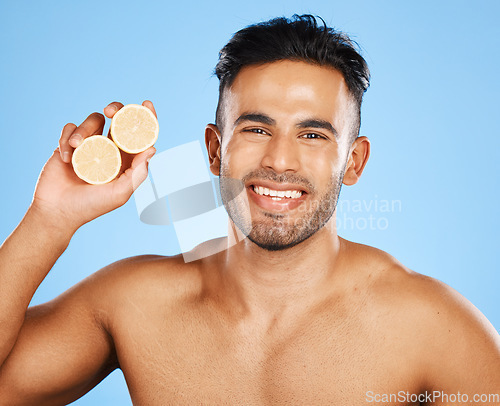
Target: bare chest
[[188, 361]]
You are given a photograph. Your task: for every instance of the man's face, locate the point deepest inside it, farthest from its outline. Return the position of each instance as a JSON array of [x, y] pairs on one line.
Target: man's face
[[286, 132]]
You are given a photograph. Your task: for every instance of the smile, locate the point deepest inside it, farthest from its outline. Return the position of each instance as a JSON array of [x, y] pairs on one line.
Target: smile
[[277, 194]]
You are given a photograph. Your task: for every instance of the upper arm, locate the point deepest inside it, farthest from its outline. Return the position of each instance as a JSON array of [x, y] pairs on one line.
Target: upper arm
[[463, 347], [63, 350]]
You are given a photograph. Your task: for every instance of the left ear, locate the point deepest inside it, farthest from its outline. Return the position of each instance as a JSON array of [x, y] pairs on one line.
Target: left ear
[[358, 157]]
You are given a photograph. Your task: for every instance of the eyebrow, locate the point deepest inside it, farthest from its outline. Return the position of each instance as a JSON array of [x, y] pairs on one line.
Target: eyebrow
[[257, 117]]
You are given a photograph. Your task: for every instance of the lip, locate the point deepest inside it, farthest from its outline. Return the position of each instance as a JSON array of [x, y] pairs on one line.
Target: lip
[[268, 204]]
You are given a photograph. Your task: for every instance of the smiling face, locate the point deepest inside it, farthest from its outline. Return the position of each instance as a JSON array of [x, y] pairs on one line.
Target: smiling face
[[286, 137]]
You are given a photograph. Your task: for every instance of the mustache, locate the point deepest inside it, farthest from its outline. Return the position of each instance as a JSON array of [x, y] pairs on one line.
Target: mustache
[[264, 174]]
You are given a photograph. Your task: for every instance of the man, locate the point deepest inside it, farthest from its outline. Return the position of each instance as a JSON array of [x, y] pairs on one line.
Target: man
[[293, 314]]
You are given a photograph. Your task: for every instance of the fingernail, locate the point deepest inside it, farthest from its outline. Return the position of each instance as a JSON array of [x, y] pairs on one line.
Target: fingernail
[[66, 157], [75, 140], [112, 107], [152, 155]]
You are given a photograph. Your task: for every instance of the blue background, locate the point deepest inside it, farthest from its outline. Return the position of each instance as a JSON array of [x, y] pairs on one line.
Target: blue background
[[430, 113]]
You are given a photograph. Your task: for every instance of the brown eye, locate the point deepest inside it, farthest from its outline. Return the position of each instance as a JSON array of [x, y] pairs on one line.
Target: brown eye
[[313, 136], [256, 131]]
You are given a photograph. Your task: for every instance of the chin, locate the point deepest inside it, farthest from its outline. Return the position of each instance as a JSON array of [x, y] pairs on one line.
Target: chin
[[273, 245], [278, 240]]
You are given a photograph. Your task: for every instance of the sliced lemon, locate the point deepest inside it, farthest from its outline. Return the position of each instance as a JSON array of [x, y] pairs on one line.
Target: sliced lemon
[[97, 160], [134, 128]]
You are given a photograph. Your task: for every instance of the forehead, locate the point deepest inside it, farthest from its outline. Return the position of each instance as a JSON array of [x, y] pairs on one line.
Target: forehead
[[291, 89]]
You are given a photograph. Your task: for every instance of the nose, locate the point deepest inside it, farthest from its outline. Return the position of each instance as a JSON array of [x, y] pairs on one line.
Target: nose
[[281, 154]]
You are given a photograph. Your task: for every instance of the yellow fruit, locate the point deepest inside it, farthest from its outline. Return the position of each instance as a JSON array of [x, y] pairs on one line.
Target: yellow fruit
[[134, 128], [97, 160]]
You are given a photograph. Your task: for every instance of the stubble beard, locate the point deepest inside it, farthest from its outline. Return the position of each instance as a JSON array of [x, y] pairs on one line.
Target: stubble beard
[[278, 231]]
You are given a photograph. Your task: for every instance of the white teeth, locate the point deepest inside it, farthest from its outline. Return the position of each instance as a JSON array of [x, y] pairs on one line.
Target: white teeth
[[277, 194]]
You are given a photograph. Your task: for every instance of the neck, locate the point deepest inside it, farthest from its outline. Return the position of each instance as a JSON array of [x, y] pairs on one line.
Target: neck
[[272, 285]]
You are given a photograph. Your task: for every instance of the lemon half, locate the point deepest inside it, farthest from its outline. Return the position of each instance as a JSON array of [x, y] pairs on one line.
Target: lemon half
[[97, 160], [134, 128]]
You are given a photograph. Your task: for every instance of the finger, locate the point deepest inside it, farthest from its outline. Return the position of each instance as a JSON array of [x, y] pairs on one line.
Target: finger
[[127, 160], [142, 157], [130, 180], [149, 105], [93, 124], [64, 149], [112, 108]]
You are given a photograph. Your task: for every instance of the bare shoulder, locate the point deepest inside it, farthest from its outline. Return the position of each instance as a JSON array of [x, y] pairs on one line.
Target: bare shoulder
[[142, 271], [138, 283], [440, 324], [417, 294]]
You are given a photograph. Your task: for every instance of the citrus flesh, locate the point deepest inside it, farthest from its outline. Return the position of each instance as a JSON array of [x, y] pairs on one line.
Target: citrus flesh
[[97, 160], [134, 128]]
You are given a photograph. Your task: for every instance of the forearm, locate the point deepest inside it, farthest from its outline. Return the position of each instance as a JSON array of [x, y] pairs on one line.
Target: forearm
[[26, 257]]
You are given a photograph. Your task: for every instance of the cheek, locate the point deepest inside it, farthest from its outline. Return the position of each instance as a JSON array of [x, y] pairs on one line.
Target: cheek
[[239, 157], [321, 164]]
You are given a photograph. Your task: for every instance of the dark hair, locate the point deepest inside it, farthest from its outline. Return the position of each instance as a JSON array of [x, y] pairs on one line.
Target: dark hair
[[300, 38]]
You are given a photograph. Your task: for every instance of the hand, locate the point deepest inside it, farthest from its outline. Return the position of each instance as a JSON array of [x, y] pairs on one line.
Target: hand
[[68, 201]]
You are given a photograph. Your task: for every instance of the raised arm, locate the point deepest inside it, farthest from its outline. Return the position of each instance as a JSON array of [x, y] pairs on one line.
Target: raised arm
[[35, 344]]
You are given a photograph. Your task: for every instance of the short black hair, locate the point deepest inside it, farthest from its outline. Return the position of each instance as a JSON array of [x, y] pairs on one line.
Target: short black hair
[[300, 38]]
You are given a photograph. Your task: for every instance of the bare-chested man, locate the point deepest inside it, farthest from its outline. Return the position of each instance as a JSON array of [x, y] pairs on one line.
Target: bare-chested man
[[291, 315]]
